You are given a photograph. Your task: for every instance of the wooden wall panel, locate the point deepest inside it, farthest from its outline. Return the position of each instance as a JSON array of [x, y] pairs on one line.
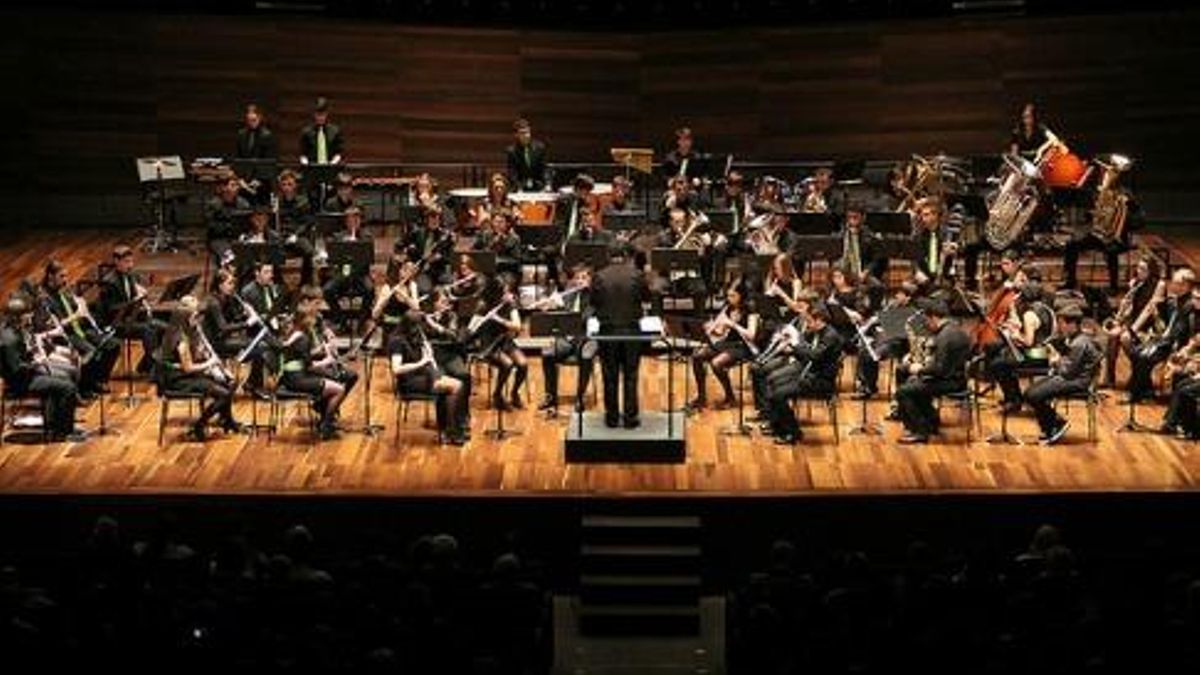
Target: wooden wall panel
[[94, 91]]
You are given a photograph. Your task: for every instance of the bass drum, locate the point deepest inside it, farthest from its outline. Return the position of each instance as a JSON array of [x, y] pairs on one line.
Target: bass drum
[[1062, 169]]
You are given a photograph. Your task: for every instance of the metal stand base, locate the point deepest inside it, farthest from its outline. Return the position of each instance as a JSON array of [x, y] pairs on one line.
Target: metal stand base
[[864, 428]]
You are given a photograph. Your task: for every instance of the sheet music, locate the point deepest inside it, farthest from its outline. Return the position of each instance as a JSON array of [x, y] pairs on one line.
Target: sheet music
[[651, 324]]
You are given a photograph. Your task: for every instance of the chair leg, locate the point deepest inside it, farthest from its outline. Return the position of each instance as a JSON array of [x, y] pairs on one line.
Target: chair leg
[[162, 420], [396, 431], [833, 419], [4, 415]]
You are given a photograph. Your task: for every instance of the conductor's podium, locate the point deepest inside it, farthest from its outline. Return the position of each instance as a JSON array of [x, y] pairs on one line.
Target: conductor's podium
[[660, 438]]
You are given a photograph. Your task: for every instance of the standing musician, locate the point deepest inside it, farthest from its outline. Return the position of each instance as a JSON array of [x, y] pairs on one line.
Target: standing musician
[[301, 371], [935, 250], [893, 346], [1022, 344], [684, 161], [500, 239], [221, 213], [618, 292], [1181, 324], [230, 323], [495, 327], [526, 159], [256, 142], [1136, 316], [938, 368], [27, 369], [1072, 372], [1030, 137], [124, 305], [296, 220], [188, 363], [347, 280], [812, 370], [731, 340], [1184, 375], [321, 142], [574, 298], [97, 351], [860, 246], [416, 371]]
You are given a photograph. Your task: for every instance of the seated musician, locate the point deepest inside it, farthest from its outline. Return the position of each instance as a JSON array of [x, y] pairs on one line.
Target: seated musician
[[682, 283], [811, 371], [679, 195], [188, 363], [860, 247], [124, 306], [939, 368], [348, 281], [26, 369], [442, 327], [768, 195], [935, 250], [221, 217], [684, 161], [297, 222], [424, 191], [1136, 316], [1114, 216], [229, 327], [304, 364], [732, 336], [263, 295], [98, 351], [820, 197], [845, 293], [257, 232], [591, 230], [581, 200], [784, 288], [416, 371], [499, 238], [494, 329], [396, 296], [312, 299], [622, 197], [886, 346], [774, 236], [467, 286], [1023, 341], [496, 201], [737, 200], [1072, 372], [1184, 376], [572, 299], [527, 159], [1180, 324], [343, 197]]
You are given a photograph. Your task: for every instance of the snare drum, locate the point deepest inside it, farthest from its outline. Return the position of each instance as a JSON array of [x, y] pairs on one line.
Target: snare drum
[[535, 208]]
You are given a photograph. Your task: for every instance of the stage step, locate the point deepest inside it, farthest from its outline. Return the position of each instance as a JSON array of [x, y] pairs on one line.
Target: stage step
[[640, 575]]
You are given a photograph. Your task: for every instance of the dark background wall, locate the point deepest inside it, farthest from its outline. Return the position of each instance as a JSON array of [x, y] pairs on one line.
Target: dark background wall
[[92, 91]]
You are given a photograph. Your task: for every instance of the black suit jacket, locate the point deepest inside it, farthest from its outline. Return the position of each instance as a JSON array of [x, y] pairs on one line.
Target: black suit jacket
[[16, 363], [264, 145], [113, 297], [824, 356], [334, 142], [868, 251], [255, 295], [697, 165], [527, 175], [225, 220], [1082, 361], [951, 349], [921, 261], [617, 295]]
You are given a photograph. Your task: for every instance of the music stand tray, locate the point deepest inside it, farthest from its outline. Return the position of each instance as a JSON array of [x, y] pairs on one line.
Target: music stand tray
[[890, 223], [623, 222], [359, 255], [484, 262], [539, 236], [720, 220], [556, 324], [591, 254], [668, 260]]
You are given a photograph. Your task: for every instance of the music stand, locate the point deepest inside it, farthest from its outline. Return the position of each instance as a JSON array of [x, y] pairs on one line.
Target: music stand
[[358, 255], [157, 170], [591, 254], [668, 260], [541, 236], [623, 222], [889, 223], [320, 176], [560, 324], [720, 220], [329, 222], [691, 329], [811, 224], [248, 254], [179, 287], [484, 262], [262, 170]]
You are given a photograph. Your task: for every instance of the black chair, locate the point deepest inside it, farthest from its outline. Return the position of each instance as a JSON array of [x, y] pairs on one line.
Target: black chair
[[167, 396], [968, 401], [404, 399], [829, 399], [17, 401]]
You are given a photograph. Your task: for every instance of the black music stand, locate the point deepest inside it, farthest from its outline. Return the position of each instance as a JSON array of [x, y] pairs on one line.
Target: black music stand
[[329, 222], [890, 223], [262, 170], [689, 328], [555, 325], [591, 254], [811, 224], [318, 178], [159, 171], [623, 221], [540, 236], [248, 254], [720, 220], [369, 428], [483, 261]]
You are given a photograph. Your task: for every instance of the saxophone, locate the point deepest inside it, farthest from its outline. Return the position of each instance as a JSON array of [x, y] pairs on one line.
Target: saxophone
[[1013, 203], [1112, 202]]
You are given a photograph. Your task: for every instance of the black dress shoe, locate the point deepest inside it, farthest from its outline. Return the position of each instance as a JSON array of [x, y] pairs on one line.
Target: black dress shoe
[[633, 423], [196, 434], [548, 403], [234, 427], [516, 403], [612, 422], [697, 404], [909, 439], [725, 403]]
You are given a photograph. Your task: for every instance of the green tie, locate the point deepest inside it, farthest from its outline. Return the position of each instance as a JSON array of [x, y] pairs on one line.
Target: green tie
[[575, 307], [322, 151], [70, 307], [128, 290], [528, 160], [933, 253], [855, 258], [267, 299]]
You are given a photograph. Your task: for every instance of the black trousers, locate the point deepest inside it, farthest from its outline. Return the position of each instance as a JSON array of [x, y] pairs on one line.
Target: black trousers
[[553, 355], [61, 399], [760, 374], [619, 362], [148, 333], [914, 400], [1182, 410], [232, 346], [101, 357], [1141, 382], [1002, 367], [786, 384], [1112, 258], [1041, 395]]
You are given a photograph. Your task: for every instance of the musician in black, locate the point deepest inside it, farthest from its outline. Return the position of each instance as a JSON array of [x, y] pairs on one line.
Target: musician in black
[[681, 283], [97, 349], [575, 299], [222, 216], [499, 238], [679, 196], [343, 198], [813, 371], [889, 343], [302, 371], [326, 361], [351, 280], [264, 295], [255, 141], [526, 159], [398, 295], [622, 197], [443, 328], [416, 371], [618, 292], [257, 232], [188, 364], [296, 222], [732, 336], [1181, 415], [684, 160], [860, 246], [1112, 246], [1073, 371], [494, 333], [1030, 136], [849, 306], [1136, 315], [124, 306], [230, 326], [26, 370], [777, 355], [935, 249], [1181, 324], [321, 142], [942, 372], [1023, 341]]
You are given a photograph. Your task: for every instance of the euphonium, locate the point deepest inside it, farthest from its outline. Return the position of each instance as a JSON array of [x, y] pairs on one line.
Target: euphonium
[[1112, 202], [1014, 202]]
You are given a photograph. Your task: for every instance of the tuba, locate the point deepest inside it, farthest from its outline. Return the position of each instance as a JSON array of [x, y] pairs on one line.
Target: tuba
[[1112, 202], [1014, 202]]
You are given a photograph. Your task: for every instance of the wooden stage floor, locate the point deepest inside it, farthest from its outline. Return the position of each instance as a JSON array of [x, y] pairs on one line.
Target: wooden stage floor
[[531, 463]]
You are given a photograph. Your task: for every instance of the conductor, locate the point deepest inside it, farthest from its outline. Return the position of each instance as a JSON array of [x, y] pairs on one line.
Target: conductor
[[617, 295]]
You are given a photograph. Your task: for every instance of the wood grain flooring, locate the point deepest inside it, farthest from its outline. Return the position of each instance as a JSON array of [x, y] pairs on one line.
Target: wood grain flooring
[[531, 463]]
